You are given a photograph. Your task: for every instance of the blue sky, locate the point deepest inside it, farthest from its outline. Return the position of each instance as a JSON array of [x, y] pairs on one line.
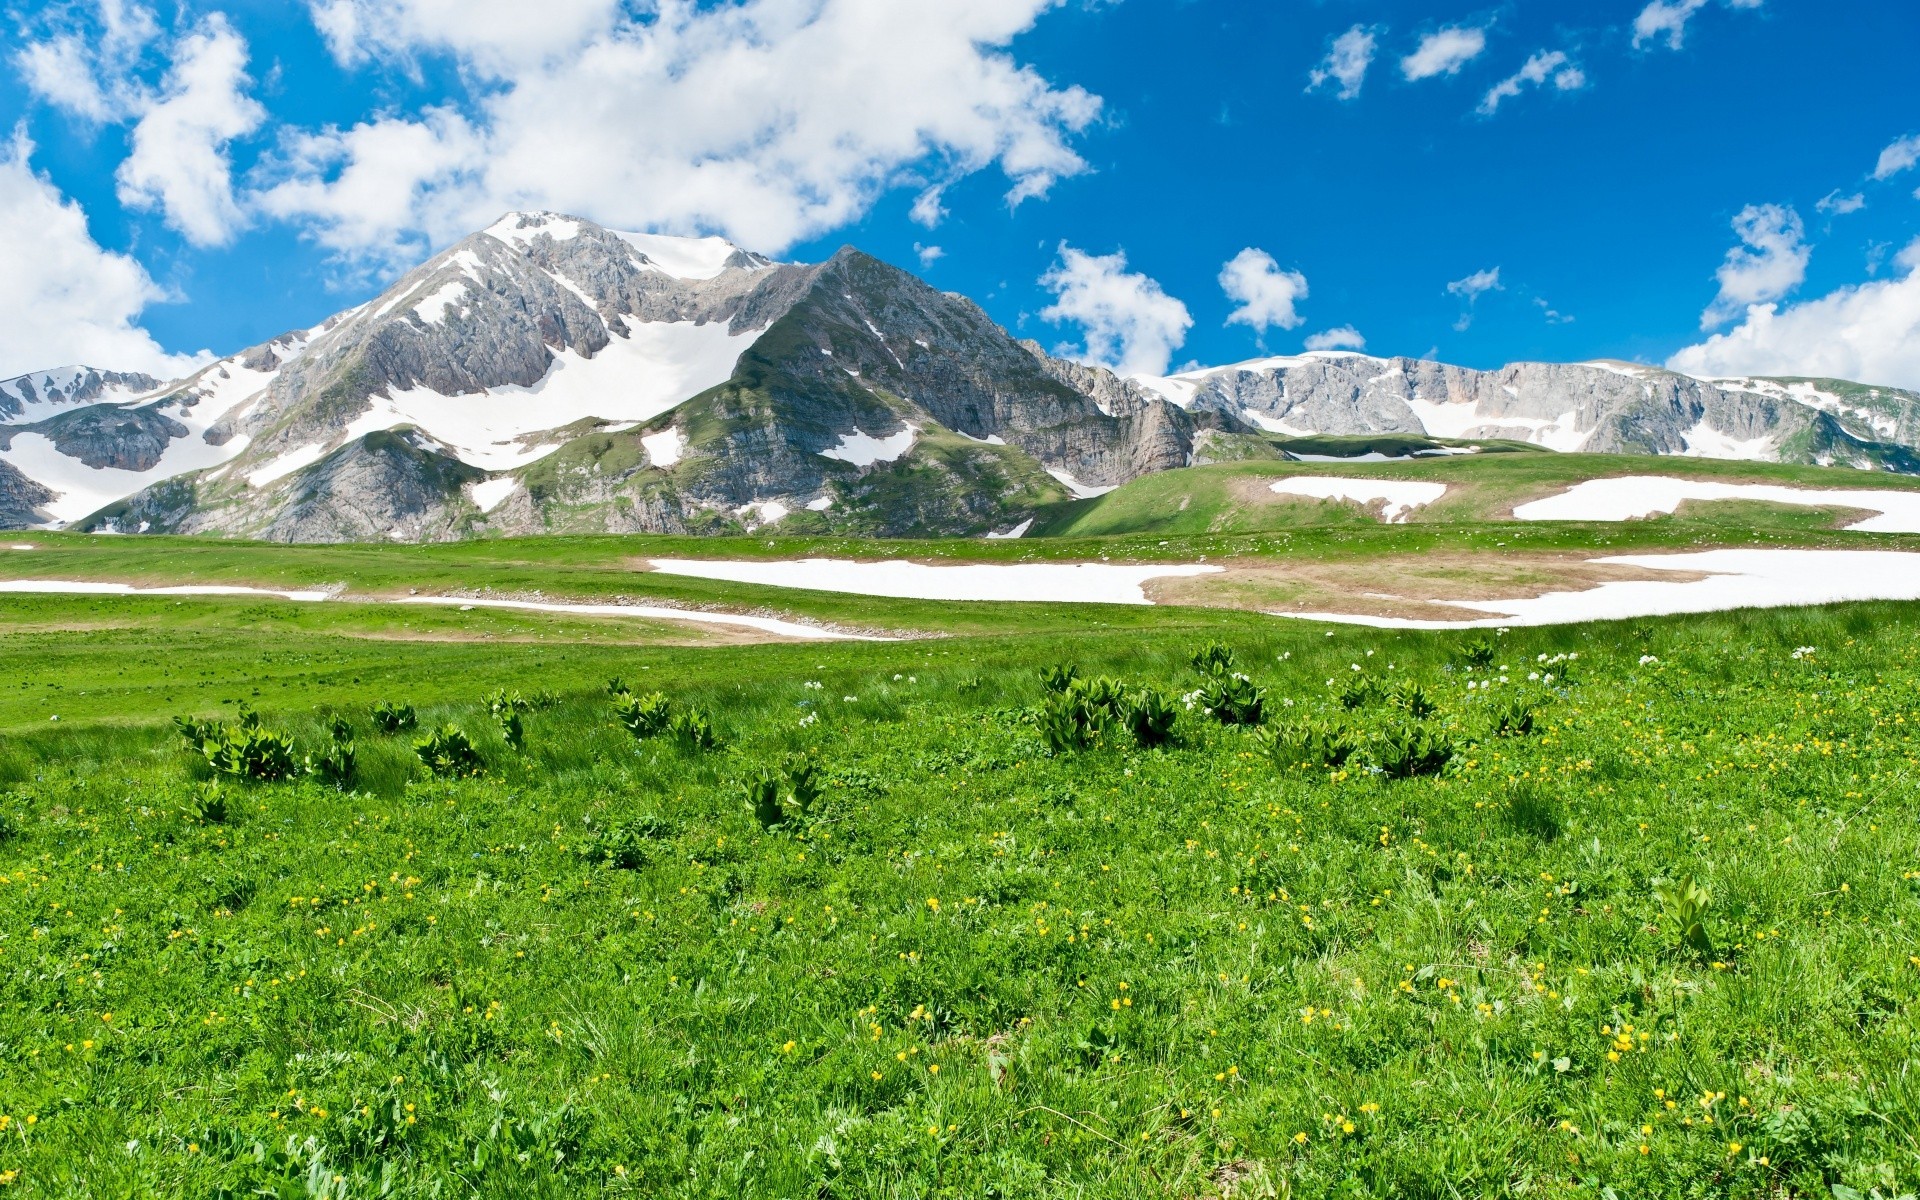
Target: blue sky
[[1728, 185]]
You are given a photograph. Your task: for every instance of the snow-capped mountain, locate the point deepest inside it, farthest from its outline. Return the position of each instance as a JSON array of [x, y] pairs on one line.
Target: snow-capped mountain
[[546, 374], [1597, 407]]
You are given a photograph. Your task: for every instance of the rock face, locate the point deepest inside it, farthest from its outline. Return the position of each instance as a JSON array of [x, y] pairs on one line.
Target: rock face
[[548, 375], [1612, 408]]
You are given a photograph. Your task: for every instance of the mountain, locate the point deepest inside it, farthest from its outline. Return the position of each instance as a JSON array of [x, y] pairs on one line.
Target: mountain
[[549, 375], [1599, 407]]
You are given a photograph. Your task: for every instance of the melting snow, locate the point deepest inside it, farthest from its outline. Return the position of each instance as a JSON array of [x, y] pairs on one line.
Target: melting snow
[[1626, 497], [81, 490], [434, 307], [508, 228], [765, 511], [820, 504], [1460, 420], [1018, 531], [1704, 441], [864, 450], [1083, 583], [287, 464], [992, 439], [69, 587], [1399, 497]]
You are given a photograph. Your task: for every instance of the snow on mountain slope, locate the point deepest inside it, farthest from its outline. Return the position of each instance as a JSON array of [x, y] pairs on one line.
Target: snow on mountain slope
[[41, 394]]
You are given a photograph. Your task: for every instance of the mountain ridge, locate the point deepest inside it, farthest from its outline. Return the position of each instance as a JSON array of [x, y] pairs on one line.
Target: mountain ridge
[[548, 375]]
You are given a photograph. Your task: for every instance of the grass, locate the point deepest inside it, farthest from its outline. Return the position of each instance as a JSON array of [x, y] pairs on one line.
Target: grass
[[974, 968]]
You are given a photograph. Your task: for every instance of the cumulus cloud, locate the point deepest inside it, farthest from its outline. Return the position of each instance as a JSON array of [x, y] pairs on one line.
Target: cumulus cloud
[[1837, 205], [1869, 332], [1902, 155], [1346, 62], [1471, 289], [1444, 52], [1770, 262], [1547, 66], [1668, 19], [66, 299], [1265, 294], [179, 161], [929, 255], [743, 119], [83, 64], [1346, 337], [1130, 324]]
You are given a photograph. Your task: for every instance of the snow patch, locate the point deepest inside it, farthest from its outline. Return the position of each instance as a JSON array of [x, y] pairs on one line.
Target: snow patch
[[520, 229], [1704, 441], [1081, 491], [489, 493], [764, 512], [81, 490], [680, 257], [1074, 583], [74, 587], [1018, 531], [864, 450], [992, 439], [1461, 420], [434, 308], [666, 447], [1733, 579], [1397, 496], [287, 464], [820, 504], [1627, 497]]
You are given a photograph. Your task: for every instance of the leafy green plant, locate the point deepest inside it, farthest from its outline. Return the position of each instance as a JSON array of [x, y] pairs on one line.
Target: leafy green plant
[[1479, 651], [616, 686], [1414, 699], [805, 782], [196, 733], [1684, 903], [1058, 678], [512, 730], [1358, 690], [763, 797], [448, 752], [1311, 744], [335, 762], [624, 847], [1512, 719], [1408, 751], [251, 752], [692, 730], [1084, 715], [1149, 716], [209, 808], [643, 716], [391, 718], [1212, 659], [774, 799], [1231, 699], [504, 701]]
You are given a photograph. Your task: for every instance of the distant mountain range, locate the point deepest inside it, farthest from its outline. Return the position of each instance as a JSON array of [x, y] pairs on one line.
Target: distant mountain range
[[548, 375]]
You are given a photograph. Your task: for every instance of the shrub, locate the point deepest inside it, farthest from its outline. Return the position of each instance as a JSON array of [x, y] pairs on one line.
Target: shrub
[[1407, 751], [1058, 679], [1212, 659], [251, 752], [643, 716], [691, 730], [1231, 700], [448, 752], [390, 718], [1149, 716], [1082, 715]]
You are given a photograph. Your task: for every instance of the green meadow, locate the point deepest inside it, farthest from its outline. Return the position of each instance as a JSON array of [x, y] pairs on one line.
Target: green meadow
[[355, 899]]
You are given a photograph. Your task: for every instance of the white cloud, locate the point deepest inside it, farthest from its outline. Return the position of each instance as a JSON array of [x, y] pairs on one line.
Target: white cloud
[[495, 36], [85, 69], [1346, 337], [1770, 263], [1266, 295], [1553, 315], [1131, 325], [1668, 19], [927, 208], [929, 255], [1471, 289], [1346, 62], [768, 121], [1444, 52], [1547, 66], [1902, 155], [1869, 333], [1833, 202], [179, 161], [66, 299]]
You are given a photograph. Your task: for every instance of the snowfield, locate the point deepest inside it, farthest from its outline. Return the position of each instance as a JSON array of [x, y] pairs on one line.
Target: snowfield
[[1068, 583], [1627, 497]]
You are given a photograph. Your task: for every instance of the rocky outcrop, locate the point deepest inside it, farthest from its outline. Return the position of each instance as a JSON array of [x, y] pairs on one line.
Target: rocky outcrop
[[20, 500], [43, 390]]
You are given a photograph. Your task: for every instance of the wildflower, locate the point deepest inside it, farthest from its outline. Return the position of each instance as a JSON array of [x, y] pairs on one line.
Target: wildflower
[[1647, 660]]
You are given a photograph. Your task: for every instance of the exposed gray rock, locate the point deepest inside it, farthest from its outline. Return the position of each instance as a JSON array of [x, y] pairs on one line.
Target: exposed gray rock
[[20, 498]]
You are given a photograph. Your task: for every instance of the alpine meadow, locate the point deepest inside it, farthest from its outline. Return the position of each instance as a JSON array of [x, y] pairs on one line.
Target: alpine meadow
[[966, 600]]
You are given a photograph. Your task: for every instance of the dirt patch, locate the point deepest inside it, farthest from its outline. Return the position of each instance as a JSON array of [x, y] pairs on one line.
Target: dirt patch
[[1405, 585]]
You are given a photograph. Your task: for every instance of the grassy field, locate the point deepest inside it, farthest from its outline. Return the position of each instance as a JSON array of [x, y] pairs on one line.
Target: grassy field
[[975, 965]]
